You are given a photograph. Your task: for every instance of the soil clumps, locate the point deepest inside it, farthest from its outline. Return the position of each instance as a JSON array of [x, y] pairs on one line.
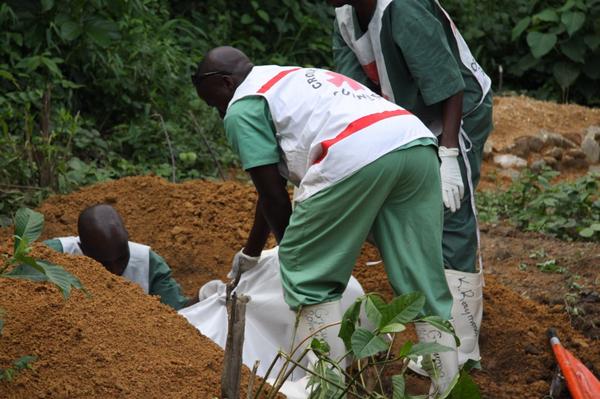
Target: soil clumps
[[197, 226], [118, 342]]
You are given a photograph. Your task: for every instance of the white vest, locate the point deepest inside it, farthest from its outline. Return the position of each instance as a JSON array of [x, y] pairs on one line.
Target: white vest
[[369, 54], [327, 125], [138, 268]]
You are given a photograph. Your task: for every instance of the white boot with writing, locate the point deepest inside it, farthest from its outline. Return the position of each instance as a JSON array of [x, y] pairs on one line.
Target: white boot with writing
[[467, 311], [446, 363]]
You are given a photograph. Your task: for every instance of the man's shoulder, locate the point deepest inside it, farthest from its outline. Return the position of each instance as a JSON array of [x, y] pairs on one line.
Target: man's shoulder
[[54, 243], [408, 10]]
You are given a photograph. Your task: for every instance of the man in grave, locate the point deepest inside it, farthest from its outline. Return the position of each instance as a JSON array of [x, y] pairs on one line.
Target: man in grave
[[103, 237]]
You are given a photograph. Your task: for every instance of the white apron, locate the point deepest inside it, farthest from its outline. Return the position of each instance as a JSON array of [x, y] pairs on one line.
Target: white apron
[[328, 126], [369, 53]]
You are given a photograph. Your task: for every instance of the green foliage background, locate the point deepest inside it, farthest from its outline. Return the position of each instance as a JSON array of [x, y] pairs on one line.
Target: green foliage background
[[85, 85]]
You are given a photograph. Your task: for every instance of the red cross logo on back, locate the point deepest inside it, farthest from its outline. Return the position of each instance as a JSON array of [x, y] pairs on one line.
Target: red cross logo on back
[[338, 79]]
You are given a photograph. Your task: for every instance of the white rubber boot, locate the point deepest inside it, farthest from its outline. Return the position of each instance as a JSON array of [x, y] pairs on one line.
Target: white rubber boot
[[467, 311], [314, 317], [446, 363]]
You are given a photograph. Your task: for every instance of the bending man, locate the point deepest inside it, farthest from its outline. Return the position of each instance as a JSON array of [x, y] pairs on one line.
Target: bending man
[[360, 163]]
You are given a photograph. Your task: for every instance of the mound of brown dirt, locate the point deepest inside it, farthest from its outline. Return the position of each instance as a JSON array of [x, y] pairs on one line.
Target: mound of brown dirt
[[197, 226], [520, 116], [118, 342]]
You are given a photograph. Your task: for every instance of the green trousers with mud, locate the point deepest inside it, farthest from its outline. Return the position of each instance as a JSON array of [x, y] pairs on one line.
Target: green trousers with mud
[[398, 198]]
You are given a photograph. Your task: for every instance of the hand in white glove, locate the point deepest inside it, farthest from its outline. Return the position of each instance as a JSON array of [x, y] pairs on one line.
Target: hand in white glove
[[242, 263], [453, 188]]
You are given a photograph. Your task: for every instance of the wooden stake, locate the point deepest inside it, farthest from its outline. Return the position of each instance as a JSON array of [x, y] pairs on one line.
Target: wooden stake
[[232, 364]]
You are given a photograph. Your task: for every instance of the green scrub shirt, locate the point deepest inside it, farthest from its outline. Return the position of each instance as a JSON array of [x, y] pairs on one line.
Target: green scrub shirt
[[424, 68]]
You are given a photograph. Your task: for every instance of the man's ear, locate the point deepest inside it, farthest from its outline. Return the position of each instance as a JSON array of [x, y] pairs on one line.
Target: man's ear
[[229, 82]]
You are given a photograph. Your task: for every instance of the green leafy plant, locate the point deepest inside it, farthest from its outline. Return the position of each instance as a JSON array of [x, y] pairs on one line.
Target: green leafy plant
[[372, 350], [18, 365], [566, 210], [567, 39], [28, 227], [550, 266]]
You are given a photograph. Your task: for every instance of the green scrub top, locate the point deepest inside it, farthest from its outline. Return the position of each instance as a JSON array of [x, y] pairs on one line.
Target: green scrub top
[[250, 131], [421, 58], [161, 281]]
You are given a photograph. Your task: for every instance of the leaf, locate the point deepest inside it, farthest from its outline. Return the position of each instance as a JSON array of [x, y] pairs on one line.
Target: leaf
[[61, 278], [320, 346], [70, 30], [28, 225], [547, 15], [246, 19], [393, 328], [52, 66], [349, 322], [592, 67], [24, 362], [374, 307], [427, 348], [398, 387], [45, 271], [26, 272], [102, 31], [587, 232], [403, 309], [573, 21], [540, 43], [520, 27], [595, 226], [574, 49], [405, 350], [29, 63], [263, 15], [565, 73], [465, 388], [592, 41], [365, 343], [47, 5]]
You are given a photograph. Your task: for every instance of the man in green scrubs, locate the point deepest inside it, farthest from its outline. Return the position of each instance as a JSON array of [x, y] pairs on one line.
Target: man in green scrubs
[[412, 53], [103, 237], [362, 164]]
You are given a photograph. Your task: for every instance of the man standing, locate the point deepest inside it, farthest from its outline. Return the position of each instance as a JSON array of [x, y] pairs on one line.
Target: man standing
[[103, 237], [411, 52], [360, 163]]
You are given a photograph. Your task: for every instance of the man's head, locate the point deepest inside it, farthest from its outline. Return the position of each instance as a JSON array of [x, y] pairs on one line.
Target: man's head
[[219, 74], [103, 237]]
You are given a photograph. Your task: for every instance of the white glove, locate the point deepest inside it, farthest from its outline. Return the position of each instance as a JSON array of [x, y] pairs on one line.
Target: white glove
[[453, 188], [243, 263]]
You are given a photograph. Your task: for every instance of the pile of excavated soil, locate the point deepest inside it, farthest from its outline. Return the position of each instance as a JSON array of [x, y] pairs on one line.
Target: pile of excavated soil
[[520, 116], [197, 226], [118, 342]]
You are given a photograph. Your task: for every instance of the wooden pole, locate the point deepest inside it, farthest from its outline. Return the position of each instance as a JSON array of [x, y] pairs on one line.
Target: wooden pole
[[232, 364]]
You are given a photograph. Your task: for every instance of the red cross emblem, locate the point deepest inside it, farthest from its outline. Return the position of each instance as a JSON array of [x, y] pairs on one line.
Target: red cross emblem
[[338, 79]]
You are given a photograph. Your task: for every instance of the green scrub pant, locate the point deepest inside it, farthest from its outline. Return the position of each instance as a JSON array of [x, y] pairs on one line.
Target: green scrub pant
[[398, 197], [460, 228]]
